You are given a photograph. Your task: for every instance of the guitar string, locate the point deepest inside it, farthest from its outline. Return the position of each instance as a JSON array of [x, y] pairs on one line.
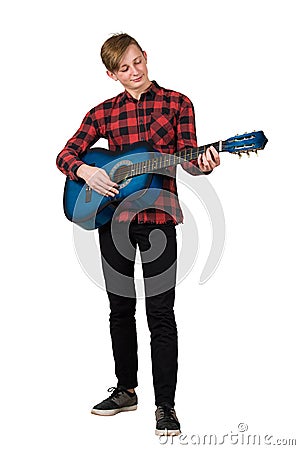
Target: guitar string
[[165, 159], [134, 169], [139, 168]]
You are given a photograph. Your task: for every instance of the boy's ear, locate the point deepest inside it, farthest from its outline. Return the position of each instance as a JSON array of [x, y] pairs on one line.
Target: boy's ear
[[112, 75], [145, 55]]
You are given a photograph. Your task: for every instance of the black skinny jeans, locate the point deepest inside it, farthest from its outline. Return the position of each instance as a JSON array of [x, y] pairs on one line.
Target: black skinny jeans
[[159, 273]]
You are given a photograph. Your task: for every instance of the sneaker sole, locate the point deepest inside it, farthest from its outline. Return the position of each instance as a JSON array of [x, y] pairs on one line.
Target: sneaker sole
[[112, 412], [167, 432]]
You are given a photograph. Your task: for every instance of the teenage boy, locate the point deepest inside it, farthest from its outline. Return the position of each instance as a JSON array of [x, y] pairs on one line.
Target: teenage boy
[[164, 118]]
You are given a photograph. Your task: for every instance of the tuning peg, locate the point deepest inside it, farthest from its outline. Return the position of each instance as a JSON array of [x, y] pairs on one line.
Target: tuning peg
[[254, 131], [256, 152], [248, 154], [240, 155]]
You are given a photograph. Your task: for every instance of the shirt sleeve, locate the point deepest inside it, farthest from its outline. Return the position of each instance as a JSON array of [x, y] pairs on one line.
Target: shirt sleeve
[[68, 160], [186, 136]]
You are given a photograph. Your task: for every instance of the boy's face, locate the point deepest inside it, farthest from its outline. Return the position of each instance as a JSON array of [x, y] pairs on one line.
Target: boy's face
[[133, 72]]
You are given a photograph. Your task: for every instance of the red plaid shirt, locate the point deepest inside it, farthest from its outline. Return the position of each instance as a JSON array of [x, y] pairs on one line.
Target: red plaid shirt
[[162, 117]]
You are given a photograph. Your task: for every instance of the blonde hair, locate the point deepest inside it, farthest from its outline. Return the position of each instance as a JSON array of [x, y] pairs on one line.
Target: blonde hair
[[114, 48]]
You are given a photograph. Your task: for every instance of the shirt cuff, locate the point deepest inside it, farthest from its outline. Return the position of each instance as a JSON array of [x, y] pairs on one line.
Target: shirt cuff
[[72, 174]]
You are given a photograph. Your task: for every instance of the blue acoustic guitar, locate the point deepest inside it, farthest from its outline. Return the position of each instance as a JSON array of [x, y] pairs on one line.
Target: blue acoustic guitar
[[139, 173]]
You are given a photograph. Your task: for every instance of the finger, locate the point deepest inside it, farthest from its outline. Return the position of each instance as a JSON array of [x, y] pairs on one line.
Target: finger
[[105, 193], [208, 155], [215, 155], [210, 160], [103, 188], [212, 157], [109, 194], [110, 183], [204, 158], [211, 153], [100, 176], [107, 179], [113, 191], [110, 191], [203, 163], [207, 161]]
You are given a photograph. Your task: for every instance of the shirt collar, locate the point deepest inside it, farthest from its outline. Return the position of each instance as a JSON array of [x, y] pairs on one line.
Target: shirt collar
[[150, 92]]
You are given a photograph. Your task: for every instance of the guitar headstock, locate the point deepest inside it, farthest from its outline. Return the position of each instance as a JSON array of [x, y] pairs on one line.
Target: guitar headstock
[[245, 143]]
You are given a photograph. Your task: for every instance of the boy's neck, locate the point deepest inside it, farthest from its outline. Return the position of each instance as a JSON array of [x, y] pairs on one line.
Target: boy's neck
[[138, 92]]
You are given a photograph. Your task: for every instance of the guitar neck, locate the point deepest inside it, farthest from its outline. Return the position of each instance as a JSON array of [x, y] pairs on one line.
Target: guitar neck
[[238, 144], [167, 160], [189, 154]]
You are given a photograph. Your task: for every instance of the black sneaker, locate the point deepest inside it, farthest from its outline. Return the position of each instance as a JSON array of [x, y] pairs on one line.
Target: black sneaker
[[167, 423], [120, 400]]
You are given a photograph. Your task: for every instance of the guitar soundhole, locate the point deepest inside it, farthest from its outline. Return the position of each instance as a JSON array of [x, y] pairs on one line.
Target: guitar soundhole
[[121, 174]]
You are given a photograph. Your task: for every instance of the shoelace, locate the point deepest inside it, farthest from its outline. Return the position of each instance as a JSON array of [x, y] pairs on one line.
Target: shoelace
[[165, 412], [116, 391]]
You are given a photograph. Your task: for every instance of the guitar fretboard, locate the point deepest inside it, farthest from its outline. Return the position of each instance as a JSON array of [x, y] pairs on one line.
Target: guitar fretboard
[[163, 161]]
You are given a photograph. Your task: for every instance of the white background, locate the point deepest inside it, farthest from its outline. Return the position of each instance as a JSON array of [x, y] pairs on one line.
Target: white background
[[238, 333]]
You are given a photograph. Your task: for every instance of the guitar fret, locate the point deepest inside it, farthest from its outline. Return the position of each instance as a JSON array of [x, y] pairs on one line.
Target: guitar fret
[[166, 160]]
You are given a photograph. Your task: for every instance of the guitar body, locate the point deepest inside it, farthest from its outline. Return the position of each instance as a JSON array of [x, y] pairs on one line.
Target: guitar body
[[91, 210]]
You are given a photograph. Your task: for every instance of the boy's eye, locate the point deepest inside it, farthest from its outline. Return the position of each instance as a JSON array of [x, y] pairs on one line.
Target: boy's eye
[[126, 68]]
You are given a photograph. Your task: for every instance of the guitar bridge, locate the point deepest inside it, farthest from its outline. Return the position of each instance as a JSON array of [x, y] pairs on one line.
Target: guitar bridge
[[88, 194]]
